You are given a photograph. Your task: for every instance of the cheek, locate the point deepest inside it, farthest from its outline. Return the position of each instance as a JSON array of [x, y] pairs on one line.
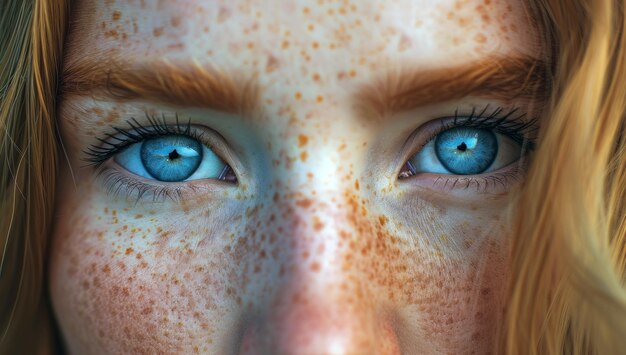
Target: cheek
[[129, 284], [462, 297]]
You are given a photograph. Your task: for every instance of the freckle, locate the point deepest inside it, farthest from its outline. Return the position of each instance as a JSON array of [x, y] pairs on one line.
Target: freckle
[[157, 31], [316, 77], [356, 184], [223, 14], [480, 38], [352, 73], [106, 210], [320, 99], [298, 95], [311, 27], [315, 266], [331, 12], [250, 45], [304, 156], [315, 45], [128, 251], [116, 15], [305, 203], [176, 21], [302, 140], [317, 224], [285, 44], [463, 21], [106, 269], [112, 33]]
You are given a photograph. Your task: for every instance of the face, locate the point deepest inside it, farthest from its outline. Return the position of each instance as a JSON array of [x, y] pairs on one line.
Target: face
[[290, 177]]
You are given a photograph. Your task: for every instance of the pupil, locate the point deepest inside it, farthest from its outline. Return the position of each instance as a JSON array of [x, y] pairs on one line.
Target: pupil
[[462, 147], [173, 154]]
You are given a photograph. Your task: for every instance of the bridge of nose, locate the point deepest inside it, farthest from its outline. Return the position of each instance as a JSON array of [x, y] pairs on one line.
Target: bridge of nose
[[322, 297]]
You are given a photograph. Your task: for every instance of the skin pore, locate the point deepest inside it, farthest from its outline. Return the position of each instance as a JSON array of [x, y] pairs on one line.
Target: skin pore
[[319, 246]]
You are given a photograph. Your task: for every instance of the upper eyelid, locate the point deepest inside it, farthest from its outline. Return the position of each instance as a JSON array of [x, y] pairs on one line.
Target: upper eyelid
[[136, 132]]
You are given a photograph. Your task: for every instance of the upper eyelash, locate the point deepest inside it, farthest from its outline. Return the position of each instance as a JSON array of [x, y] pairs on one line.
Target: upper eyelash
[[98, 154], [513, 126], [521, 131]]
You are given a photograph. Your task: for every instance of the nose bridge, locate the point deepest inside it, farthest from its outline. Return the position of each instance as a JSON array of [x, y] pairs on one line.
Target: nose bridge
[[322, 302]]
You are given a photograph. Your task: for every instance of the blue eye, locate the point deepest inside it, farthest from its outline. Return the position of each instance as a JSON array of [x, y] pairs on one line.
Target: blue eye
[[172, 158], [465, 151]]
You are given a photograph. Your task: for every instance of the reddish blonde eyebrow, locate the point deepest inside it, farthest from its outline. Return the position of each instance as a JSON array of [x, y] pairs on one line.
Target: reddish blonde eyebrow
[[189, 85], [398, 89], [505, 79]]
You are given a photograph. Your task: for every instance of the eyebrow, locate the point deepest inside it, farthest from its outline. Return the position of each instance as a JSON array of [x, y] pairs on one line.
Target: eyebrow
[[395, 90], [504, 78], [195, 85]]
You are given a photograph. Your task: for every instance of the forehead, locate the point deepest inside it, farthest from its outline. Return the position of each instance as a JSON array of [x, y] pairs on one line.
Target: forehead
[[269, 36]]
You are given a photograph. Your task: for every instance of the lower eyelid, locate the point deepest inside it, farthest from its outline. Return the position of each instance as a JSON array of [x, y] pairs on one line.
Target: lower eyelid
[[117, 182], [492, 183]]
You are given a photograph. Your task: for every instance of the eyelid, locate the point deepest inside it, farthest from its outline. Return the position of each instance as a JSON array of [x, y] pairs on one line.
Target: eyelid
[[503, 125], [494, 182], [113, 142], [117, 181]]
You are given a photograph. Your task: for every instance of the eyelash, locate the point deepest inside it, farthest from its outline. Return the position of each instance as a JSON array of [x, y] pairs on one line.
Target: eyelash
[[156, 127], [117, 183], [504, 122]]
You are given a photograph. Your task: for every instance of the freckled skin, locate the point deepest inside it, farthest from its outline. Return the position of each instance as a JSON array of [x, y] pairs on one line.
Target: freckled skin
[[319, 248]]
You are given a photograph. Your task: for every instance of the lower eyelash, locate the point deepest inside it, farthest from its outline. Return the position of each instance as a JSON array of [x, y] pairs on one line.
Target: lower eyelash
[[482, 183], [117, 183]]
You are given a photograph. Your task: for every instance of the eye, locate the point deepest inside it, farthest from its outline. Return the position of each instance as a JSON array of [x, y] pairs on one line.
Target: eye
[[464, 151], [172, 158]]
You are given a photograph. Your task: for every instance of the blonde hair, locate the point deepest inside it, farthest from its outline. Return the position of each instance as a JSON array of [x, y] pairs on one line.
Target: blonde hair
[[31, 38], [566, 292]]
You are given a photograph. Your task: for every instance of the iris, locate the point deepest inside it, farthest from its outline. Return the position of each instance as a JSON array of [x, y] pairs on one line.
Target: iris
[[171, 158], [466, 151]]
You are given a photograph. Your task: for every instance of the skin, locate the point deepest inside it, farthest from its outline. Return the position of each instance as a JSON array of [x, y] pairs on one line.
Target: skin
[[319, 247]]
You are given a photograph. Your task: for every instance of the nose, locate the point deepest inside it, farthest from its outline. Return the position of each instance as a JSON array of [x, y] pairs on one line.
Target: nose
[[322, 302]]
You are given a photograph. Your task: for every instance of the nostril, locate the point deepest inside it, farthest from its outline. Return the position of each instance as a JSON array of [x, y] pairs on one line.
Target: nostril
[[250, 341], [315, 329]]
